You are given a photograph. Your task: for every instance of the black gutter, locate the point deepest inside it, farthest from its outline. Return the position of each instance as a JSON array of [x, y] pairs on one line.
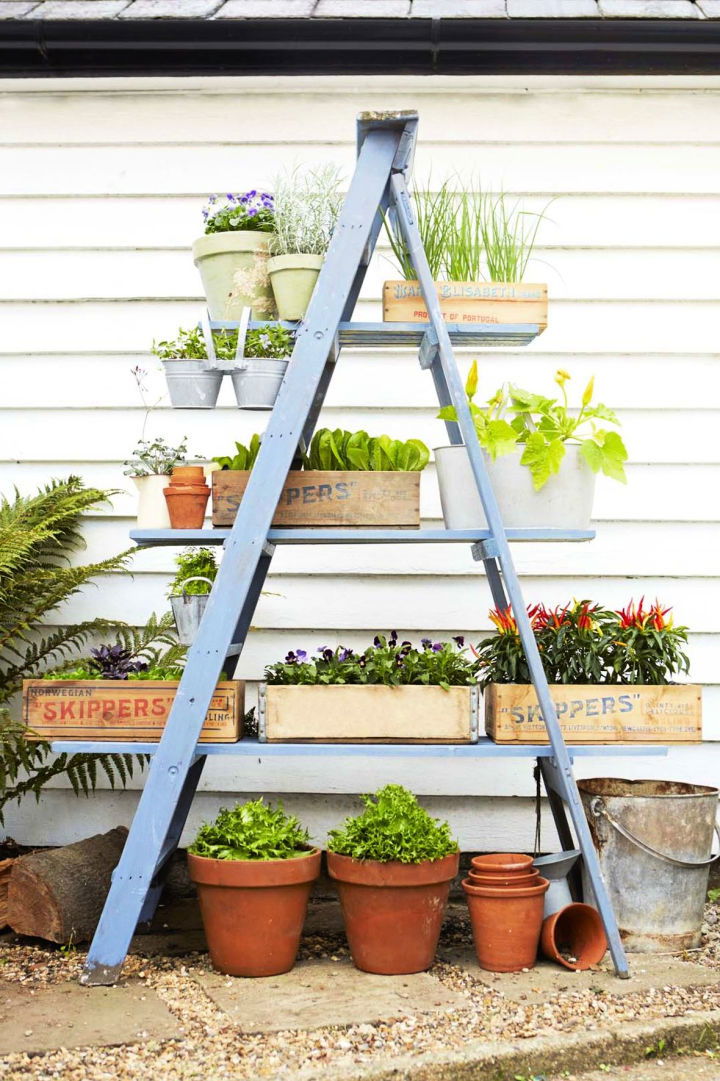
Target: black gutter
[[358, 47]]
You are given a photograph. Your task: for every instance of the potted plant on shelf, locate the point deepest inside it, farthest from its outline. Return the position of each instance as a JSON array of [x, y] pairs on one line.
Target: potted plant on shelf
[[152, 463], [190, 589], [187, 497], [541, 456], [392, 691], [257, 378], [306, 211], [254, 868], [611, 674], [191, 383], [393, 865], [478, 247], [348, 479], [232, 255]]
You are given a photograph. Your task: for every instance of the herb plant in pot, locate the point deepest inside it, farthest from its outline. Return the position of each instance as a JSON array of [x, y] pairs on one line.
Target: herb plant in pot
[[190, 589], [541, 458], [306, 210], [191, 383], [232, 255], [152, 463], [257, 378], [393, 865], [254, 868]]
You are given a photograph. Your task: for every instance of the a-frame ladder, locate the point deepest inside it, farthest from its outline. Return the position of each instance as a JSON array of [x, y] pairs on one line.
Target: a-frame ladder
[[379, 185]]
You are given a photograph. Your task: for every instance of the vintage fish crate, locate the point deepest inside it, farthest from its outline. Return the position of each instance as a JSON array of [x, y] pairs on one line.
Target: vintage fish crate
[[112, 709], [367, 714], [469, 303], [596, 713], [316, 498]]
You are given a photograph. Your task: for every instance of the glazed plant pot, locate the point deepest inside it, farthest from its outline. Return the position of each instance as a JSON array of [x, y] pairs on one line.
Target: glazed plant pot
[[258, 383], [556, 867], [506, 924], [504, 864], [293, 279], [188, 610], [233, 269], [574, 936], [393, 912], [564, 502], [187, 497], [190, 384], [253, 910], [152, 510]]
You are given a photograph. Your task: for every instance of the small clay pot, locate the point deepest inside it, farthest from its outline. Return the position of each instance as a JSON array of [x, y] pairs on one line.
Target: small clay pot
[[393, 912], [503, 864], [575, 931], [253, 910], [506, 924], [187, 497], [497, 881]]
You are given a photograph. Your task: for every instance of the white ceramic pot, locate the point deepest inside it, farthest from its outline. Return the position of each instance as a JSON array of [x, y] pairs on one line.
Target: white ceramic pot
[[293, 279], [257, 385], [152, 509], [565, 502]]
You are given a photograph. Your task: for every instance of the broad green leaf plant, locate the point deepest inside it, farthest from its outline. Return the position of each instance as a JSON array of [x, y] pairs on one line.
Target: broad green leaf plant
[[252, 831], [543, 427], [244, 457], [393, 828], [339, 449]]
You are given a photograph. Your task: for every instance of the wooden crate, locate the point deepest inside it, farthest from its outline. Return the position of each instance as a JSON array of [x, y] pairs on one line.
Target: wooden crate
[[469, 303], [5, 869], [315, 498], [360, 714], [111, 709], [596, 713]]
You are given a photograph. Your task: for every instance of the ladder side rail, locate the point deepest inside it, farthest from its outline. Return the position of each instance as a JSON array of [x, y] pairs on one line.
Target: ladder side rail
[[570, 793]]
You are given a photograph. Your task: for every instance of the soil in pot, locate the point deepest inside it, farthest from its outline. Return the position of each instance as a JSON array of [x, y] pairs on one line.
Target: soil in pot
[[293, 279], [187, 497], [574, 936], [506, 924], [253, 910], [233, 269], [393, 912]]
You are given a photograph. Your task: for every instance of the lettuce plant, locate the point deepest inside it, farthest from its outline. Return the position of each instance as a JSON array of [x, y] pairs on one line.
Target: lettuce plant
[[339, 449], [393, 828], [244, 457], [248, 210], [252, 831]]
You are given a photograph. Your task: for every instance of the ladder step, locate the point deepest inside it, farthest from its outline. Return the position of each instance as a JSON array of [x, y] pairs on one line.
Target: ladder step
[[145, 537]]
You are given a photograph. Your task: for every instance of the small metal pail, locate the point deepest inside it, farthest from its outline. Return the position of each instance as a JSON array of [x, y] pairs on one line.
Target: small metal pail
[[188, 609]]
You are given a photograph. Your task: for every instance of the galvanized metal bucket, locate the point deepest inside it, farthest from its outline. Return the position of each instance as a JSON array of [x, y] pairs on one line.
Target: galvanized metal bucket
[[257, 381], [556, 867], [654, 842], [188, 609], [191, 384]]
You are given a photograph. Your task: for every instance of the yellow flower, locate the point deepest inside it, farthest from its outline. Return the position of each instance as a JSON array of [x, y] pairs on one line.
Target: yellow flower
[[587, 396], [561, 376]]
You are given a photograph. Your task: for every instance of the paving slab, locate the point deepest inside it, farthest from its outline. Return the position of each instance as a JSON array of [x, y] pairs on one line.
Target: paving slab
[[535, 985], [68, 1015], [320, 994]]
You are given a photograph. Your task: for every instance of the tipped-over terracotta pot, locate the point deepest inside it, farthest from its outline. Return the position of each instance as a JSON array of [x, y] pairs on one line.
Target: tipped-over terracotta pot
[[393, 912], [574, 936], [253, 910], [503, 864], [506, 924], [500, 882], [187, 496]]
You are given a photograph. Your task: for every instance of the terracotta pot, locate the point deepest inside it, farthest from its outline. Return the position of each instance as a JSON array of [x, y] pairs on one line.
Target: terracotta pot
[[187, 497], [506, 924], [574, 931], [498, 881], [393, 912], [253, 910], [502, 863]]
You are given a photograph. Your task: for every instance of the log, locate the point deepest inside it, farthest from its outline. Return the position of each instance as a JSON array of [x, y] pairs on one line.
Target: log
[[58, 894], [5, 867]]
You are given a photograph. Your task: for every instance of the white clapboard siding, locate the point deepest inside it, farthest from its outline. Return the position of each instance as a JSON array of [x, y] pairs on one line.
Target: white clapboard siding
[[101, 187]]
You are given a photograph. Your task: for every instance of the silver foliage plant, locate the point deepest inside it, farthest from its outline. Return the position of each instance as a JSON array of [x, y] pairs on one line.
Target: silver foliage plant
[[307, 205]]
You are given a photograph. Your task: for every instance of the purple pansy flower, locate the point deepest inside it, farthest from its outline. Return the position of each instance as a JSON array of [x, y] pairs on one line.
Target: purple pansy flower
[[459, 640], [301, 654], [437, 647]]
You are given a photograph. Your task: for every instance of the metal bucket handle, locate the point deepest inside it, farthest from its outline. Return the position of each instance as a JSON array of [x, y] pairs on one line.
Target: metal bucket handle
[[598, 809], [195, 578]]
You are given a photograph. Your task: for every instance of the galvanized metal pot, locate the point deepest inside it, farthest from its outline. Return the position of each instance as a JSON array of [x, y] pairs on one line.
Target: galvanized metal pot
[[654, 843], [188, 609], [191, 384], [556, 867], [258, 382]]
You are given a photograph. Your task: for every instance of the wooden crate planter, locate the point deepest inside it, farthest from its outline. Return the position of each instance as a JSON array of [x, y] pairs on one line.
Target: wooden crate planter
[[368, 714], [315, 498], [469, 303], [599, 713], [111, 709]]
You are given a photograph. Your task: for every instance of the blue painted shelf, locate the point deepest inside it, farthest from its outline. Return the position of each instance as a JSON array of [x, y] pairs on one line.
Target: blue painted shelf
[[359, 536], [372, 335]]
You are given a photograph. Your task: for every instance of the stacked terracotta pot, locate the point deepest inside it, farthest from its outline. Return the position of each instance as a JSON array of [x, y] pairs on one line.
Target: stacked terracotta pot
[[505, 896], [187, 496]]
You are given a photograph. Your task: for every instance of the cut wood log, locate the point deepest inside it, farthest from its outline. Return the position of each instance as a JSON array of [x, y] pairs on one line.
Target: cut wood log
[[58, 894], [5, 868]]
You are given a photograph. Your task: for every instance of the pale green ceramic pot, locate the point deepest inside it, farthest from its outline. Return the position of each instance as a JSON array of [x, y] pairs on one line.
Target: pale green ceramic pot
[[234, 272], [293, 279]]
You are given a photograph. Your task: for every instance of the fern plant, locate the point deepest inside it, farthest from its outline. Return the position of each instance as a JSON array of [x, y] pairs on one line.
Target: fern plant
[[38, 534]]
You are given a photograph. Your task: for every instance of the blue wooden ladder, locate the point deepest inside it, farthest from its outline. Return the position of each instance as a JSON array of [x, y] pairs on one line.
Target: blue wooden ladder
[[379, 185]]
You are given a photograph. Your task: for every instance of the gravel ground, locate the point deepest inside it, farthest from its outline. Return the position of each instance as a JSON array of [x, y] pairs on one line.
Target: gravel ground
[[211, 1047]]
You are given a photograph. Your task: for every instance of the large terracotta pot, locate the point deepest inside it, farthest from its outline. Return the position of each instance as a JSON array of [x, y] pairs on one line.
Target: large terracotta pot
[[575, 931], [503, 864], [393, 912], [506, 924], [187, 497], [253, 910]]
